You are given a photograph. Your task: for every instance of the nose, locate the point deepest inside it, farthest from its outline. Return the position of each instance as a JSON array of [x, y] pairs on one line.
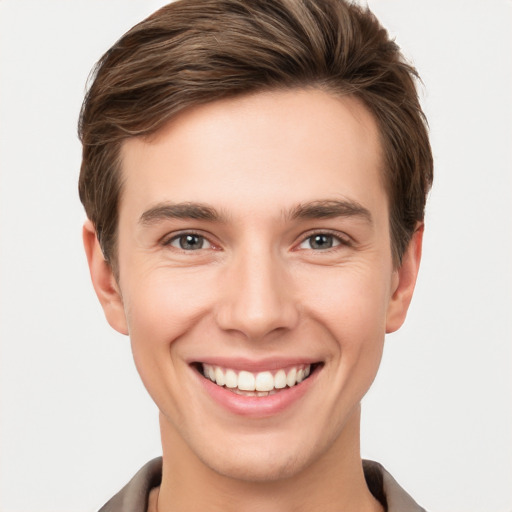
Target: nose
[[257, 297]]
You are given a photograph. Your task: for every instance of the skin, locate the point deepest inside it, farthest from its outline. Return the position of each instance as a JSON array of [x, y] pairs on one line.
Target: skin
[[258, 289]]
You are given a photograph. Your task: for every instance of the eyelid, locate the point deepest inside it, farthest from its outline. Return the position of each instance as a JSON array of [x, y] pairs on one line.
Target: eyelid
[[168, 238], [343, 239]]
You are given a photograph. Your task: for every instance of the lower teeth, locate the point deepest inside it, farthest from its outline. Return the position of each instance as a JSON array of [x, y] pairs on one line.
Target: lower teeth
[[252, 393]]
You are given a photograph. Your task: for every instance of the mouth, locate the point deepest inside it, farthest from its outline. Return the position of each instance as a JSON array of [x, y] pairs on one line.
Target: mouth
[[257, 384]]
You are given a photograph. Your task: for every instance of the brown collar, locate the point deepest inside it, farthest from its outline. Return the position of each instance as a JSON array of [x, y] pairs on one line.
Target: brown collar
[[134, 496]]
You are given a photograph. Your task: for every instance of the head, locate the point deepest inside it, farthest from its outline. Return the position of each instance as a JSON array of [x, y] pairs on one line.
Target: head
[[192, 53], [255, 177]]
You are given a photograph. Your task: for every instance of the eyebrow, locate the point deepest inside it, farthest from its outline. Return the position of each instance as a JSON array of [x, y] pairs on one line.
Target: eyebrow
[[196, 211], [329, 209], [324, 209]]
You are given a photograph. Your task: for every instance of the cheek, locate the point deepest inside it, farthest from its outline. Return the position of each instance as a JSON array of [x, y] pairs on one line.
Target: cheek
[[351, 306], [349, 301], [161, 307], [165, 300]]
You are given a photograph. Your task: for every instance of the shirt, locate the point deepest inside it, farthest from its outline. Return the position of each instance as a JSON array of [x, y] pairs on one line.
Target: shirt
[[133, 497]]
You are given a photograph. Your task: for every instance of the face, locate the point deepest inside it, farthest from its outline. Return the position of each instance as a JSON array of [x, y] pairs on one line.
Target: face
[[255, 277]]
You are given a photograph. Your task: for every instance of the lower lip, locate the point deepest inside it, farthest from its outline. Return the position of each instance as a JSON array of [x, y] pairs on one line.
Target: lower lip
[[258, 406]]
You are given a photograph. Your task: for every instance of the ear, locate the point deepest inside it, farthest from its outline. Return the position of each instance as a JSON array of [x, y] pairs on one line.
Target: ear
[[404, 280], [103, 280]]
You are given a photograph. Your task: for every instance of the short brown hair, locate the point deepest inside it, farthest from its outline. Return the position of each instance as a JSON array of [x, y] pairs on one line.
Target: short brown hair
[[192, 52]]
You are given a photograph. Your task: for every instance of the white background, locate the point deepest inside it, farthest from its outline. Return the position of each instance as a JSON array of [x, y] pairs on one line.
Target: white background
[[75, 421]]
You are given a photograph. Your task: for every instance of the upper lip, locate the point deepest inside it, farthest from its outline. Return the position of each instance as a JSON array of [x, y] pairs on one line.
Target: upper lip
[[255, 365]]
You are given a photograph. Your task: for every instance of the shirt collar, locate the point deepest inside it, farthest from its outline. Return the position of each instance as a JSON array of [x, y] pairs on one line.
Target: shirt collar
[[133, 497]]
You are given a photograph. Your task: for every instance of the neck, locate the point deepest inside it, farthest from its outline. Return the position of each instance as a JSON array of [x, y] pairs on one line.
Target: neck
[[333, 482]]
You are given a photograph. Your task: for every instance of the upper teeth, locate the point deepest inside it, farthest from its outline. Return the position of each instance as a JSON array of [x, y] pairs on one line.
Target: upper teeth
[[261, 381]]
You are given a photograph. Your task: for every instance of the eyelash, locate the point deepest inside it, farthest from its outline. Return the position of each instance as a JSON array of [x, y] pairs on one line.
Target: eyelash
[[338, 240], [177, 237]]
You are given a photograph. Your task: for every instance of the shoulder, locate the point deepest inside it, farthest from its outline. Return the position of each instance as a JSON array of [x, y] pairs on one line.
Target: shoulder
[[133, 497], [387, 490]]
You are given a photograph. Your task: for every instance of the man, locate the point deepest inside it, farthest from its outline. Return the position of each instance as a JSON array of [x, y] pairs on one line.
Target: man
[[255, 175]]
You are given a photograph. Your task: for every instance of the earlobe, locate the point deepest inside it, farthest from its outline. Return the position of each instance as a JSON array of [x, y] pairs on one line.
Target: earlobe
[[103, 280], [405, 281]]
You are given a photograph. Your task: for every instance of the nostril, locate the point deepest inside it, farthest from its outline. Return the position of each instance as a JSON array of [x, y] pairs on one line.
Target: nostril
[[257, 325]]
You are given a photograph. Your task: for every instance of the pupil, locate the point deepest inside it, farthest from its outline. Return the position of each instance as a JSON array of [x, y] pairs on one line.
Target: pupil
[[321, 242], [191, 242]]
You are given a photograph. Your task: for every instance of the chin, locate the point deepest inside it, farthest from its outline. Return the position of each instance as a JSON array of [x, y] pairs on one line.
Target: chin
[[263, 460], [258, 467]]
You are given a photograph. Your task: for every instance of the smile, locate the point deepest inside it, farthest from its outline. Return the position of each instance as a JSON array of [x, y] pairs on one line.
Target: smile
[[260, 384]]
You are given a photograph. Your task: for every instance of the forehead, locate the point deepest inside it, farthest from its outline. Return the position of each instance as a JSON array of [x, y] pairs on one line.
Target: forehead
[[266, 151]]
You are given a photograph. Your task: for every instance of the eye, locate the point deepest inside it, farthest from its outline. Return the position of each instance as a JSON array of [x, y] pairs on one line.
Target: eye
[[189, 242], [321, 241]]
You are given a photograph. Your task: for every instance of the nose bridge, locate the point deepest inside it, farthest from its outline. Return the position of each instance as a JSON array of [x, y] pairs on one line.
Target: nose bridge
[[256, 298]]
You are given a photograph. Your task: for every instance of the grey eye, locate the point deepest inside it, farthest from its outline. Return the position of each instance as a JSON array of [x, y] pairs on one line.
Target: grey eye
[[190, 242], [320, 241]]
